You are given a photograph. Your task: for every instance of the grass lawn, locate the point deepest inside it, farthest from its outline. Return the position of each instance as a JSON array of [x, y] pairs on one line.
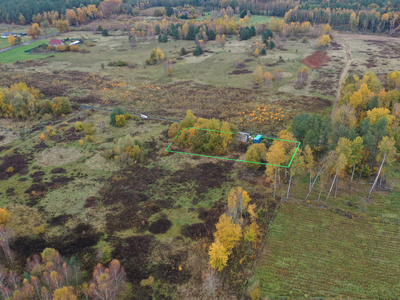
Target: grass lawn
[[13, 55], [312, 252]]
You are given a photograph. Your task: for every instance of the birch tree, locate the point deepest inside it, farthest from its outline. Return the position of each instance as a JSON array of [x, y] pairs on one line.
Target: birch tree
[[296, 168], [356, 155], [386, 154]]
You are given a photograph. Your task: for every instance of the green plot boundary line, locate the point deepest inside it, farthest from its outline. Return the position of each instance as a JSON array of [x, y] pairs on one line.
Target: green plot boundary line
[[246, 161]]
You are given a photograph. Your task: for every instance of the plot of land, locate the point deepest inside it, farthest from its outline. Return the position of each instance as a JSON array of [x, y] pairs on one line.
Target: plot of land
[[318, 253]]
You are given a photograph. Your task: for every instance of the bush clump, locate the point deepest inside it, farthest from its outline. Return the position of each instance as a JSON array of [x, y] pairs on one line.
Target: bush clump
[[120, 120], [256, 153], [198, 51], [79, 126], [127, 151], [117, 111], [183, 51], [204, 141]]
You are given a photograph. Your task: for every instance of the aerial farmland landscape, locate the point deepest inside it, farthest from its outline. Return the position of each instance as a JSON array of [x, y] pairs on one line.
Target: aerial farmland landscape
[[178, 149]]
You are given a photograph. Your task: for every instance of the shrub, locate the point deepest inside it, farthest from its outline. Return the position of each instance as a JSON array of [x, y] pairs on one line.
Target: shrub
[[121, 63], [156, 55], [271, 45], [102, 65], [304, 40], [89, 128], [147, 282], [245, 33], [100, 28], [183, 51], [10, 169], [74, 48], [120, 120], [61, 48], [81, 143], [79, 126], [117, 111], [105, 32], [127, 116], [91, 44], [163, 38], [127, 150], [42, 136], [256, 153], [61, 105], [198, 51], [292, 38], [67, 48], [89, 138], [50, 48], [263, 51], [38, 230]]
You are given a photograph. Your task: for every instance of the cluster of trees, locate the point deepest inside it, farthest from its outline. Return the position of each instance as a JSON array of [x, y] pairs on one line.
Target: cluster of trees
[[236, 229], [52, 276], [20, 101], [259, 76], [206, 136], [156, 56], [369, 19], [360, 137], [118, 117], [127, 151]]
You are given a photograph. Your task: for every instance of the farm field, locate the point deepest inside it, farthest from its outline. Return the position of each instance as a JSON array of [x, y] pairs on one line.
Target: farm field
[[315, 253]]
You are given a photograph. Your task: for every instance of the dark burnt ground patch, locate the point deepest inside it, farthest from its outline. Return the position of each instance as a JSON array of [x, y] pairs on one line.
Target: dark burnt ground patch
[[17, 162], [129, 190], [160, 226], [205, 175], [206, 228], [133, 253], [77, 242], [59, 84]]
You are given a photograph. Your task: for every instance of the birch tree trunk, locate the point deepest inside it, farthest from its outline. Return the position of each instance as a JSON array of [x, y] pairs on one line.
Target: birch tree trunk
[[377, 176], [351, 181], [290, 181]]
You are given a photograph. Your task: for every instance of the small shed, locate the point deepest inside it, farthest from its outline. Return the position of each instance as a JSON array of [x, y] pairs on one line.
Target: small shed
[[5, 35], [257, 139], [55, 42], [243, 138]]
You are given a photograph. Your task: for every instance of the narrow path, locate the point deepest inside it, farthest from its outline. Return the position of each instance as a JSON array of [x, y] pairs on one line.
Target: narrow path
[[343, 76], [28, 42]]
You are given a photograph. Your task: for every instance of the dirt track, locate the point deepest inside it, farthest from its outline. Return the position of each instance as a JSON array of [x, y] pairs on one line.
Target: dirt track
[[366, 37], [343, 76]]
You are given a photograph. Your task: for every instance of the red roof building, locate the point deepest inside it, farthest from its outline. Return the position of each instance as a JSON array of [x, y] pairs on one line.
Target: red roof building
[[55, 42]]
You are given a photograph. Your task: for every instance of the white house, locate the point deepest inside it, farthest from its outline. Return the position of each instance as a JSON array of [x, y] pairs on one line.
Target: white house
[[6, 34]]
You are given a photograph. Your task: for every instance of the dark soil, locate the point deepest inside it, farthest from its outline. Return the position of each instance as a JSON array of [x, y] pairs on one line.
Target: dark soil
[[40, 146], [204, 175], [160, 226], [58, 171], [206, 229], [133, 252], [59, 220], [90, 202], [18, 162], [240, 72], [37, 174], [248, 60], [2, 137], [87, 99]]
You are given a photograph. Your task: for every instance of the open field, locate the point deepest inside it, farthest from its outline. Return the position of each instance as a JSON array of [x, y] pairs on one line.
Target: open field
[[254, 19], [158, 215], [315, 253]]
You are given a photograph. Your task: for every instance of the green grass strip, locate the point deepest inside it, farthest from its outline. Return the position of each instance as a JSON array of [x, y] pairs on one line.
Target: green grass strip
[[246, 161]]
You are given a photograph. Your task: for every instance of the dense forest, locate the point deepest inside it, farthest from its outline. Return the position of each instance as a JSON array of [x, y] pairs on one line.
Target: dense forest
[[10, 10]]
